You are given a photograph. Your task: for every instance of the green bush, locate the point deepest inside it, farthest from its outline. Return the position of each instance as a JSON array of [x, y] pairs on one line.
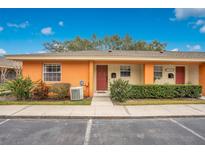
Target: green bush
[[119, 90], [20, 88], [165, 91], [40, 91], [60, 90]]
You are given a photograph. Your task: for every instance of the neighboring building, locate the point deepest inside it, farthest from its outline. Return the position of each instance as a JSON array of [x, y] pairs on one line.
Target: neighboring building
[[9, 69], [98, 68]]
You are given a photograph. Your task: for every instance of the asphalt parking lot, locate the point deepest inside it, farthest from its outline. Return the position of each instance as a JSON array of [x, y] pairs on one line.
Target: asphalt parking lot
[[103, 131]]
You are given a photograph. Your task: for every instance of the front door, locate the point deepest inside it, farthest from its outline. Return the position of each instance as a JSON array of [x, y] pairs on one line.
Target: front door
[[180, 75], [102, 76]]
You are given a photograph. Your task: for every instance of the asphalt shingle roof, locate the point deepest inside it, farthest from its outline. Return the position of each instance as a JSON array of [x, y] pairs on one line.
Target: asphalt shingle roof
[[9, 63], [120, 54]]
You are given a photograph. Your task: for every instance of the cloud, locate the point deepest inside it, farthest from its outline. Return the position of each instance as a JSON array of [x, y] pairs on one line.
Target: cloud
[[1, 29], [186, 13], [175, 49], [41, 51], [196, 24], [21, 25], [61, 23], [47, 31], [202, 29], [196, 47], [2, 52], [200, 22]]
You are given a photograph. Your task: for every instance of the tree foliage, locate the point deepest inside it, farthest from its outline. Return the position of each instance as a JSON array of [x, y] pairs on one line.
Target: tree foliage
[[114, 42]]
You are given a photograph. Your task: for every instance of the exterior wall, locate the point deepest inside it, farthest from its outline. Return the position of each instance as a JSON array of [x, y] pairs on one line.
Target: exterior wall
[[148, 73], [191, 74], [136, 76], [72, 72], [91, 78], [32, 69], [141, 72], [202, 77], [165, 79]]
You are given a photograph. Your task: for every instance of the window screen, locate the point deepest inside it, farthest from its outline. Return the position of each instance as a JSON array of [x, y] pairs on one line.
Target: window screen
[[125, 71], [52, 72], [157, 72]]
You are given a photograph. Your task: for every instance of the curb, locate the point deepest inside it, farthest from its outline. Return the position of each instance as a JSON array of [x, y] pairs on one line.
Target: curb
[[99, 117]]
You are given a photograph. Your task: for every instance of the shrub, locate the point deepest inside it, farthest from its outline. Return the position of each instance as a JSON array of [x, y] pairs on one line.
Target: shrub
[[60, 90], [21, 87], [3, 91], [165, 91], [40, 91], [119, 90]]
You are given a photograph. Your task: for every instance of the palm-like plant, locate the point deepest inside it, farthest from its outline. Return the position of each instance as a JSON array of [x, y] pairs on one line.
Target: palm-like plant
[[21, 87]]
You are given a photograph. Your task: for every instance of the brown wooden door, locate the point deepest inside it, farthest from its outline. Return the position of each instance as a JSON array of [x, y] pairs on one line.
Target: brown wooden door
[[180, 75], [102, 75]]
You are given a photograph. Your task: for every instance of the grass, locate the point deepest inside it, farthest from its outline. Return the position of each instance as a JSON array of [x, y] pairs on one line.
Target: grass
[[64, 102], [161, 101]]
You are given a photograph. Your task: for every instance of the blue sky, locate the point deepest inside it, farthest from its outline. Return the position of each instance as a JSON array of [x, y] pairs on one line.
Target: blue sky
[[25, 30]]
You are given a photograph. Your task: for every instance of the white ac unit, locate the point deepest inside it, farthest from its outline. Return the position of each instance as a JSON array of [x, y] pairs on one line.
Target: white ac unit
[[76, 93]]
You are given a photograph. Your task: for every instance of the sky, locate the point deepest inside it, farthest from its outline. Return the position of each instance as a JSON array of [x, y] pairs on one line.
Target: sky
[[25, 30]]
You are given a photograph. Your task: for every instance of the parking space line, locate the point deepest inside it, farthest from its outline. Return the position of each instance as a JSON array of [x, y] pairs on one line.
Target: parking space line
[[1, 123], [88, 131], [188, 129]]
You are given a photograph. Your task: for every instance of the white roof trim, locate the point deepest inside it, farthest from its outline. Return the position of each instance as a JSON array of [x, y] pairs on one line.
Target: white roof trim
[[22, 58]]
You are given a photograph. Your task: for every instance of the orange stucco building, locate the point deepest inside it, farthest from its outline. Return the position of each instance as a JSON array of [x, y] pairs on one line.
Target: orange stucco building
[[94, 70]]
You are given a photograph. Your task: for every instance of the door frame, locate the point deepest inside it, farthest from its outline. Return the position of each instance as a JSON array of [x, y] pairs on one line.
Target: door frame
[[96, 78]]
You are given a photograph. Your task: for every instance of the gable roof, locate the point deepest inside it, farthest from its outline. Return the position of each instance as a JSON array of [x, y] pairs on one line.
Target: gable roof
[[114, 55], [9, 63]]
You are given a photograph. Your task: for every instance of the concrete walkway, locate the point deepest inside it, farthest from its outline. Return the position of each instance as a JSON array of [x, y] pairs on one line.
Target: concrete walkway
[[103, 111], [101, 101]]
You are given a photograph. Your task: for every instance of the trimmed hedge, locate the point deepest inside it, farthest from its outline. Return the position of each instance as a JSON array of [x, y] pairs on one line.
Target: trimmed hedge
[[59, 90], [165, 91], [121, 91]]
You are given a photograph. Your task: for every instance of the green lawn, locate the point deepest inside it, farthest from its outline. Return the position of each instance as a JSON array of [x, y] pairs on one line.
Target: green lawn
[[161, 101], [81, 102]]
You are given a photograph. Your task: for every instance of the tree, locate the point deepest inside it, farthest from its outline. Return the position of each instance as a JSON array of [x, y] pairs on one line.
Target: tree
[[114, 42], [55, 46], [140, 45], [127, 43]]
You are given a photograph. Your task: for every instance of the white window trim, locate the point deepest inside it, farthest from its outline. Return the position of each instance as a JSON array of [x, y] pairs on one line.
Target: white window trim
[[130, 71], [59, 72], [159, 66]]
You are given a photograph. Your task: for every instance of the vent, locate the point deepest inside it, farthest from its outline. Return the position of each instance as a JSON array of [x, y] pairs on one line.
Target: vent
[[76, 93], [161, 51]]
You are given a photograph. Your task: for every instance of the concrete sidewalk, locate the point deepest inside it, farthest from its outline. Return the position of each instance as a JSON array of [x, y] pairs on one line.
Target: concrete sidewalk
[[63, 111]]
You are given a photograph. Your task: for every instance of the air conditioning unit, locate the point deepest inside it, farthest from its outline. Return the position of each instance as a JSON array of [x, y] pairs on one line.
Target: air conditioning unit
[[76, 93]]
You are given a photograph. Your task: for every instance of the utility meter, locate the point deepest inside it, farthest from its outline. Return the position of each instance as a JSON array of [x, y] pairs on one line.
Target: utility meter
[[81, 83]]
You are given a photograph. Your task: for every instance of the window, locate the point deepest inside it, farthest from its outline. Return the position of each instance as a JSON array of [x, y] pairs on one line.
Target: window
[[157, 72], [125, 71], [11, 75], [52, 72]]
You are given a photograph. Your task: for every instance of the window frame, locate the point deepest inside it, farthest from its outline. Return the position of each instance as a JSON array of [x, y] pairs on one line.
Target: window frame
[[125, 71], [158, 72], [52, 72]]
